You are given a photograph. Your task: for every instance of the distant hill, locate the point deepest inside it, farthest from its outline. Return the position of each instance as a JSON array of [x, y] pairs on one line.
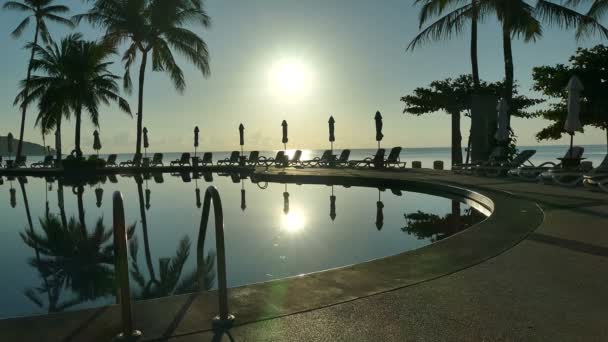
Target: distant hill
[[29, 149]]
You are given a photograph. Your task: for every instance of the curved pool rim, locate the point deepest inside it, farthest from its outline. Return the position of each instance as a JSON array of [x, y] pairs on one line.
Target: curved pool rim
[[511, 220]]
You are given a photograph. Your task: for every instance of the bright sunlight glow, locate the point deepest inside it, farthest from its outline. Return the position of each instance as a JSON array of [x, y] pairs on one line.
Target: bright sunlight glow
[[290, 77], [293, 222]]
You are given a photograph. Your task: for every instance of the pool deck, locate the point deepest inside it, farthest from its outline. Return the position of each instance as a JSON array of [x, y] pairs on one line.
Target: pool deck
[[536, 270]]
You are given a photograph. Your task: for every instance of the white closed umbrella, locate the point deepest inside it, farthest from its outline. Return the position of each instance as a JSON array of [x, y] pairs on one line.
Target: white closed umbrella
[[573, 121], [502, 131]]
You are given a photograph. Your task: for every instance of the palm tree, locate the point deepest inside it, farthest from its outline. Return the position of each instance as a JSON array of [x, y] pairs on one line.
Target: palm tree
[[40, 10], [516, 17], [153, 28], [566, 16], [449, 24], [78, 70]]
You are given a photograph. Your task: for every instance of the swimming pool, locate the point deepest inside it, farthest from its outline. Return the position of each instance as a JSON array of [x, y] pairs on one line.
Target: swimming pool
[[56, 241]]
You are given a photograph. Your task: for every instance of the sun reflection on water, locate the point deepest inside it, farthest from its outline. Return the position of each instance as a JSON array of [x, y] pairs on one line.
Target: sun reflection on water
[[294, 221]]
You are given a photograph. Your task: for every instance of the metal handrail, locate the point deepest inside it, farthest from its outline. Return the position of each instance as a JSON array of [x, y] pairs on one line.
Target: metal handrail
[[224, 319], [122, 271]]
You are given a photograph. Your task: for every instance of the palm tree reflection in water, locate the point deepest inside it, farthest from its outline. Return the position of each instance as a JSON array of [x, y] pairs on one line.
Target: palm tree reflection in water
[[170, 280]]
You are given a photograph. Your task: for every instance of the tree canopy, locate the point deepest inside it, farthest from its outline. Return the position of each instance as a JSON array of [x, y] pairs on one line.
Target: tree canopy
[[591, 67], [454, 94]]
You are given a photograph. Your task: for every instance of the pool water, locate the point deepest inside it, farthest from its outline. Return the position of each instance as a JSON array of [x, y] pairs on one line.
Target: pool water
[[56, 239]]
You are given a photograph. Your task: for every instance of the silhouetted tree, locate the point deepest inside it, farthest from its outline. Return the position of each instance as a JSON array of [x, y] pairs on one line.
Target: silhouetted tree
[[591, 67], [453, 96], [41, 11], [153, 29], [434, 227], [78, 70]]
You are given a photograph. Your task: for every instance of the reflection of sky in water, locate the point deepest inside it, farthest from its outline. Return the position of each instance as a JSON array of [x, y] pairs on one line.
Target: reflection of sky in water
[[284, 230]]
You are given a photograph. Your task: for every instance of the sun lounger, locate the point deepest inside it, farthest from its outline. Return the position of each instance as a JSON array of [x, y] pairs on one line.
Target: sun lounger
[[157, 160], [47, 162], [295, 160], [377, 160], [182, 161], [496, 157], [598, 177], [393, 159], [503, 168], [531, 173], [233, 160], [20, 161], [278, 160], [132, 163], [111, 160], [254, 158], [343, 158], [325, 158], [207, 159]]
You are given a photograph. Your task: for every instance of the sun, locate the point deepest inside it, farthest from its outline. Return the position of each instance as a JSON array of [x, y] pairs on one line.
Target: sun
[[290, 77]]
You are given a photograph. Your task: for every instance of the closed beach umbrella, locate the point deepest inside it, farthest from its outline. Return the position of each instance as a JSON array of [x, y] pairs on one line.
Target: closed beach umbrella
[[96, 142], [379, 215], [332, 128], [146, 141], [379, 135], [502, 131], [573, 121], [9, 144], [241, 136], [196, 130], [284, 140]]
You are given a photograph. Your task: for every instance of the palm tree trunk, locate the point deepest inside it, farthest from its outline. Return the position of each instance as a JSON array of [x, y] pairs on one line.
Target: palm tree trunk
[[474, 59], [80, 191], [140, 99], [456, 138], [144, 225], [28, 214], [58, 142], [25, 91], [60, 202], [508, 56], [77, 137]]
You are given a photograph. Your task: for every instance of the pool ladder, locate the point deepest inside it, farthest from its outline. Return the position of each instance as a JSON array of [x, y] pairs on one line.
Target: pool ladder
[[222, 321]]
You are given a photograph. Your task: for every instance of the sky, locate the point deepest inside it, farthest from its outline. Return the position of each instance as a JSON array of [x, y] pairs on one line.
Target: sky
[[300, 61]]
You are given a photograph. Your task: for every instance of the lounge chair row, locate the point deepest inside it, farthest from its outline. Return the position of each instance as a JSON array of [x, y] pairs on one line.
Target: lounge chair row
[[565, 173]]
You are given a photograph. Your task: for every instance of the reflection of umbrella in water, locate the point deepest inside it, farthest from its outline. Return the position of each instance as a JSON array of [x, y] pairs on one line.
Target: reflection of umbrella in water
[[286, 201], [284, 140], [96, 142], [243, 200], [146, 141], [379, 135], [197, 193], [148, 193], [98, 196], [573, 122], [332, 130], [379, 212], [196, 131], [13, 197], [332, 204]]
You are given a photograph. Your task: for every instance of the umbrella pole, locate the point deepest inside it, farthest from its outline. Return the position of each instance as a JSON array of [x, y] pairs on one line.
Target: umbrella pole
[[378, 145], [571, 143], [332, 147]]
